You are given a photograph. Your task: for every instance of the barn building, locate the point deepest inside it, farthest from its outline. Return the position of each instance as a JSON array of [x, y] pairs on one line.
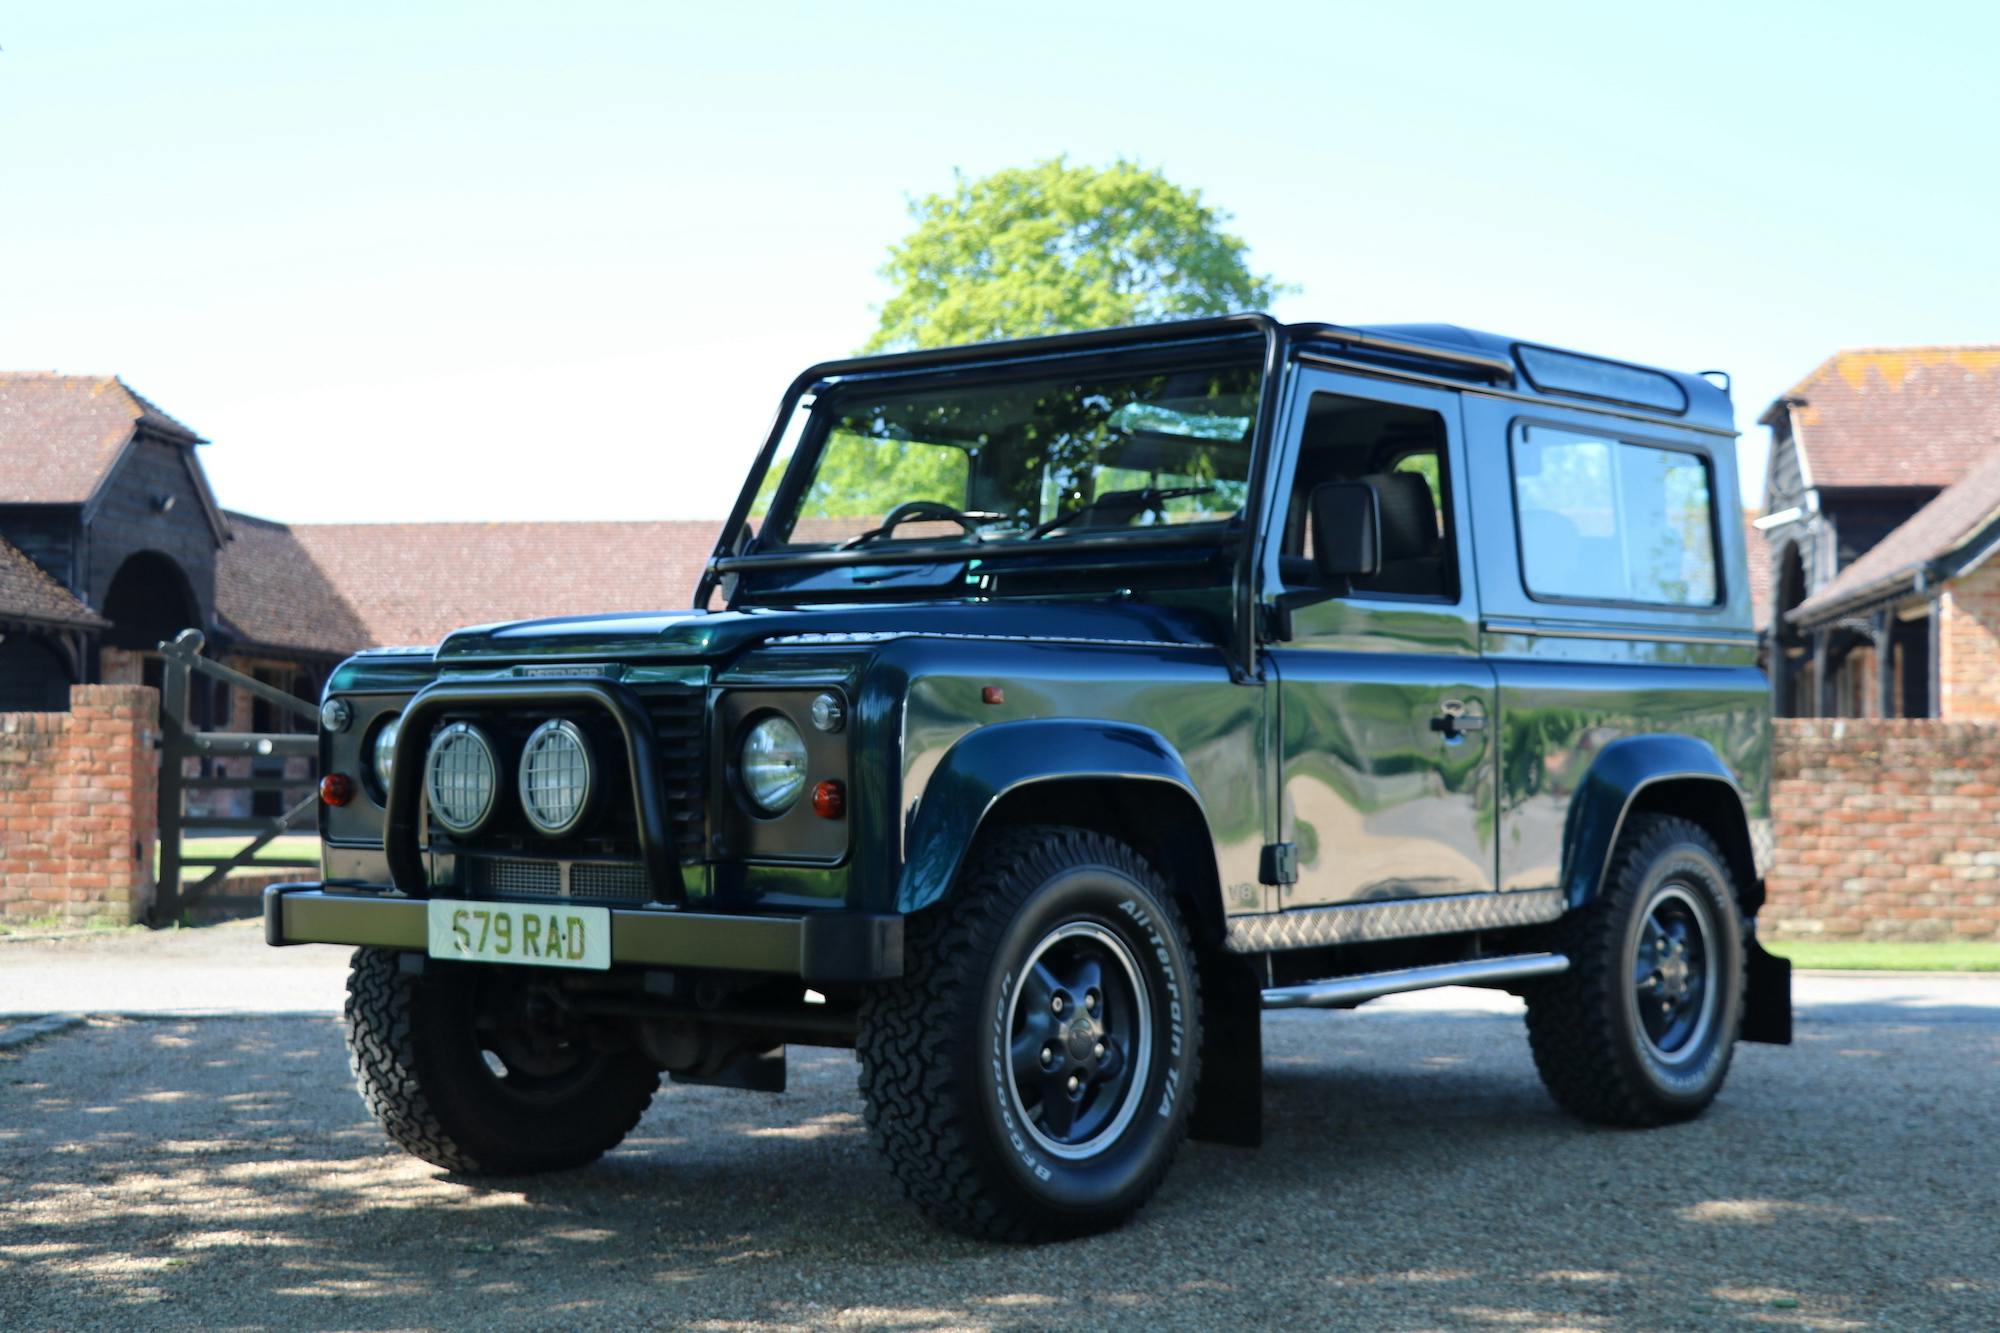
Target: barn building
[[1882, 506]]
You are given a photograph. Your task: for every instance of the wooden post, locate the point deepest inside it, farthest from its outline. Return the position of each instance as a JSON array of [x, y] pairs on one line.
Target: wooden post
[[1885, 660], [1936, 655], [1822, 683], [174, 683]]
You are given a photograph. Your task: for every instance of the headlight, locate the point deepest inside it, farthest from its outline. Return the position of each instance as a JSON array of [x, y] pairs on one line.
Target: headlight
[[556, 777], [385, 751], [461, 777], [773, 764]]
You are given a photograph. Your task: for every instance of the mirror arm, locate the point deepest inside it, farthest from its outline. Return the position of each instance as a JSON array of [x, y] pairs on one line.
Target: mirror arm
[[1278, 611]]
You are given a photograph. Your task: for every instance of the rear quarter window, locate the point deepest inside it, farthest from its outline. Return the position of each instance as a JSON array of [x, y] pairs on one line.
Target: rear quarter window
[[1607, 520]]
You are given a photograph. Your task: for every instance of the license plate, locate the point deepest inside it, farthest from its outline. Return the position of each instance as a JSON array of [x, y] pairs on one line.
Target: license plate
[[551, 936]]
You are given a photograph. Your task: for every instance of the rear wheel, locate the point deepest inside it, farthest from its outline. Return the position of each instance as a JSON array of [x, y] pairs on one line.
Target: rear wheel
[[478, 1070], [1641, 1029], [1031, 1074]]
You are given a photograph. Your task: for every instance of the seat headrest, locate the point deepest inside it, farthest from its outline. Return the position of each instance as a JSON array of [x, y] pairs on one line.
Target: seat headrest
[[1409, 517]]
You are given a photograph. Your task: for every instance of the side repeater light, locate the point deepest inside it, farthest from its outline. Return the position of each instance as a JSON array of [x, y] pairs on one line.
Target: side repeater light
[[829, 800], [336, 789]]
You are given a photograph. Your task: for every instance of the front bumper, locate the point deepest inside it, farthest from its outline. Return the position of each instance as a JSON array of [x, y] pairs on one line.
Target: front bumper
[[819, 947]]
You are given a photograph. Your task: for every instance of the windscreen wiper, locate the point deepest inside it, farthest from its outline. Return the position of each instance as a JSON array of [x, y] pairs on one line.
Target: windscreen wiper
[[1125, 505]]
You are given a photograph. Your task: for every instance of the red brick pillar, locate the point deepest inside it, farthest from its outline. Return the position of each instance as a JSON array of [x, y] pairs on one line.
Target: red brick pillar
[[78, 806]]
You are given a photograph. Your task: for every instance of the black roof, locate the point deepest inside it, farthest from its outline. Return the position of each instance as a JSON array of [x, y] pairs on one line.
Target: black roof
[[1469, 354]]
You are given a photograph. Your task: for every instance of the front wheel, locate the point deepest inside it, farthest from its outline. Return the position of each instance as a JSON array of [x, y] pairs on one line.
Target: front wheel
[[477, 1070], [1640, 1030], [1031, 1074]]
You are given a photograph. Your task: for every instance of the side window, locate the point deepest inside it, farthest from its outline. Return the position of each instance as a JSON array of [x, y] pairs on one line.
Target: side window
[[1610, 521], [1401, 452]]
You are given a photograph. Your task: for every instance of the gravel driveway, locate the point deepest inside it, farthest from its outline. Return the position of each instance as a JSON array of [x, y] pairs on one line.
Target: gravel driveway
[[219, 1173]]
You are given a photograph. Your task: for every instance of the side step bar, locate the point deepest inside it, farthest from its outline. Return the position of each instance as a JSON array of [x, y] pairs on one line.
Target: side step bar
[[1342, 992]]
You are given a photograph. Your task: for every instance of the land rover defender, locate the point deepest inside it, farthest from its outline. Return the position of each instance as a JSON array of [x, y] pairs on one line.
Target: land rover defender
[[1050, 709]]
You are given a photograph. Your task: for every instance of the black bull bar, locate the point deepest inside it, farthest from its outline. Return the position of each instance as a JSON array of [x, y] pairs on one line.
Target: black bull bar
[[402, 829]]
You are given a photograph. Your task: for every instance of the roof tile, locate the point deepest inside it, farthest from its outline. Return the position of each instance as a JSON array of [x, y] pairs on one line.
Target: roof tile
[[269, 593], [60, 434], [414, 583], [1898, 416], [28, 593]]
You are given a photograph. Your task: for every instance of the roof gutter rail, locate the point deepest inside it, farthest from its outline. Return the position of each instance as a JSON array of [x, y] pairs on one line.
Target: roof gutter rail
[[1496, 368]]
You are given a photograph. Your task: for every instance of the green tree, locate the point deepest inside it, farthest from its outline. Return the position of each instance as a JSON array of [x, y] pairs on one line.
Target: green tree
[[1053, 248]]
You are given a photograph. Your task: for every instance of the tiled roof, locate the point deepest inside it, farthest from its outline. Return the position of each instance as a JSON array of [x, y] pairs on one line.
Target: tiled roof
[[60, 434], [413, 583], [1897, 416], [1758, 552], [28, 593], [269, 593], [1941, 527]]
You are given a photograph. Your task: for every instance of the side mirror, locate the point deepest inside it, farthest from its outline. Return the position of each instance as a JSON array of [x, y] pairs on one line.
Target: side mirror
[[1346, 532], [1346, 519]]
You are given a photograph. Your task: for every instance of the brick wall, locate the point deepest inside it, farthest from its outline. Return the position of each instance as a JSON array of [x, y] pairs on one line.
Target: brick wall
[[77, 806], [1969, 646], [1885, 829]]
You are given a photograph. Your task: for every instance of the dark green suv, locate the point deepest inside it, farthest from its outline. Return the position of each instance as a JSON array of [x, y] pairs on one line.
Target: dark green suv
[[1051, 710]]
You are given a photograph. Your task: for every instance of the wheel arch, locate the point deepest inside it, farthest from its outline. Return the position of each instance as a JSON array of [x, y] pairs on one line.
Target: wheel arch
[[1115, 778], [1658, 774]]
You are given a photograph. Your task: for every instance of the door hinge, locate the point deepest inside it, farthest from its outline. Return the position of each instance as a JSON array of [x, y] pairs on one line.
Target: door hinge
[[1279, 863]]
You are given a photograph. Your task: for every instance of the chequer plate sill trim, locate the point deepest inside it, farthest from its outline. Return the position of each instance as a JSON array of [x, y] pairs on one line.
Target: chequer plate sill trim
[[1403, 918]]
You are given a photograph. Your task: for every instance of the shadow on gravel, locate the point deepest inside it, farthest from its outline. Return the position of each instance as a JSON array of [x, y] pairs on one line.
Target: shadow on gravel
[[221, 1174]]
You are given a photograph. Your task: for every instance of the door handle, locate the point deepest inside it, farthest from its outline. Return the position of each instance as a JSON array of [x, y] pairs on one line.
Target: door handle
[[1453, 721]]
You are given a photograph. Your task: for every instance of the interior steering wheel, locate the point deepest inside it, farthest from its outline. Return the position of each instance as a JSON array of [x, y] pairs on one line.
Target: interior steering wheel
[[935, 511]]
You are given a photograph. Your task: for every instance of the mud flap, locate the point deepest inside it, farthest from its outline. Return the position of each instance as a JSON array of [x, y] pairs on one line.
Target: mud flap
[[1767, 999], [1229, 1102]]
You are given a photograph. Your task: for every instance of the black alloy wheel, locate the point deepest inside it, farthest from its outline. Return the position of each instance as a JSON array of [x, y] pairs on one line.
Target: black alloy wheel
[[1673, 972], [1081, 1030], [1032, 1073], [1641, 1029]]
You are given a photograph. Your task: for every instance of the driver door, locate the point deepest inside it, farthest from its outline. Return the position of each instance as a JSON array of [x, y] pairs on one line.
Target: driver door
[[1386, 709]]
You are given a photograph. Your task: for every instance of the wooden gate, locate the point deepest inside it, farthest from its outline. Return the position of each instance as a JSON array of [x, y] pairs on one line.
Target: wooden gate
[[180, 742]]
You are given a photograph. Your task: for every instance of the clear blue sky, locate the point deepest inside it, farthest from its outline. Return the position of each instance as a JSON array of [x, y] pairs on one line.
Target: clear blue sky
[[507, 261]]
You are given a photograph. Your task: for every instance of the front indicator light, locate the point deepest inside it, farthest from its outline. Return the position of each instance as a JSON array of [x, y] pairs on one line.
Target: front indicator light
[[336, 789], [773, 764], [829, 800]]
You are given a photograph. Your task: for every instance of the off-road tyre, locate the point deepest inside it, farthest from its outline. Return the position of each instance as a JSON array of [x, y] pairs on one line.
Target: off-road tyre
[[938, 1055], [414, 1044], [1590, 1042]]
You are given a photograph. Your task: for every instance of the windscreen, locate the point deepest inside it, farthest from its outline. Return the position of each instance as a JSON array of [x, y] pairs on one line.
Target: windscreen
[[1038, 457]]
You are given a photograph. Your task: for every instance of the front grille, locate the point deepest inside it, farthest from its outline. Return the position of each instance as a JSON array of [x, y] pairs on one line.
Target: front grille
[[506, 877], [680, 729], [608, 879], [519, 877]]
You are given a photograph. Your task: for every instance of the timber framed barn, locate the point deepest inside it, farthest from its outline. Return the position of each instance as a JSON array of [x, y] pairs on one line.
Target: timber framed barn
[[111, 541], [1882, 508]]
